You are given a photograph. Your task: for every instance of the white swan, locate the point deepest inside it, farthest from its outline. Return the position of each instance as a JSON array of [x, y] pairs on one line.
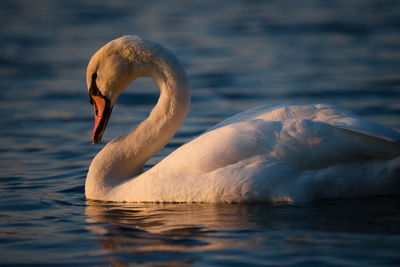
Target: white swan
[[273, 152]]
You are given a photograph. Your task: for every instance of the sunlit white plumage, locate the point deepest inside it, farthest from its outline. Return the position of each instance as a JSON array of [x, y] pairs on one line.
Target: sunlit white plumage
[[293, 153]]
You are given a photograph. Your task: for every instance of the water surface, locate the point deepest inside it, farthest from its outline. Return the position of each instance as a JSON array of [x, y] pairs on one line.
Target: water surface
[[238, 54]]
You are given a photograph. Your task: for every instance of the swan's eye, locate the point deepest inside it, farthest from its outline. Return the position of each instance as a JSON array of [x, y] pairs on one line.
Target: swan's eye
[[93, 90]]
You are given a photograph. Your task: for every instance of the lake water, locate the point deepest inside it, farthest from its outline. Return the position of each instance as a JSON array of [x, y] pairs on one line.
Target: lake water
[[238, 54]]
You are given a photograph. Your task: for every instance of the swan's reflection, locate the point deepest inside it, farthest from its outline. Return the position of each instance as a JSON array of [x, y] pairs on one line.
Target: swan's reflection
[[184, 229]]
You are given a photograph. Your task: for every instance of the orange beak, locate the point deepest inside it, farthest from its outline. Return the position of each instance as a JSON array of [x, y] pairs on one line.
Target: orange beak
[[102, 112]]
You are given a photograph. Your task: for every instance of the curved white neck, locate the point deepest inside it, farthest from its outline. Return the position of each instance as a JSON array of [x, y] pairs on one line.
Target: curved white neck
[[125, 156]]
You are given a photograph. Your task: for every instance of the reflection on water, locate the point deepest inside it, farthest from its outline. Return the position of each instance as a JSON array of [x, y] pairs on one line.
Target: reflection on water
[[180, 234]]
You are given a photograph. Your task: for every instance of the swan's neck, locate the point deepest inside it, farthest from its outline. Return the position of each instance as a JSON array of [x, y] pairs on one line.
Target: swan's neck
[[124, 157]]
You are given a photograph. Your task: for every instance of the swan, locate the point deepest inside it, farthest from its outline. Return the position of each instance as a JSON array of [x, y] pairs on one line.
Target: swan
[[278, 153]]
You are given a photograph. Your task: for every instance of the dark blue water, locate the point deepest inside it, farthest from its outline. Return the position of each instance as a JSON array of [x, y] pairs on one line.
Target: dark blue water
[[237, 54]]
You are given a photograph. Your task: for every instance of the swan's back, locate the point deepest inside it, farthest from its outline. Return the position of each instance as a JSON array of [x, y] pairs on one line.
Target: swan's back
[[332, 115]]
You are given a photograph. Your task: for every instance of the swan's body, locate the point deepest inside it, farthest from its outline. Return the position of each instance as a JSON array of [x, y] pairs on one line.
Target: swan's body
[[273, 152]]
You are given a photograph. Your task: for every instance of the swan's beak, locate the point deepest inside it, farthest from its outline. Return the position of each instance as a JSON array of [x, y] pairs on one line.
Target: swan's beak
[[102, 112]]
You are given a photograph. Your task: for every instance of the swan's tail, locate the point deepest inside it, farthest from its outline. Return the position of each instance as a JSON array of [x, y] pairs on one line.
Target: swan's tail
[[360, 179]]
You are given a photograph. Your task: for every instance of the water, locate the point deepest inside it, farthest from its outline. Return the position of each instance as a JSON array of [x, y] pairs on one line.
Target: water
[[238, 54]]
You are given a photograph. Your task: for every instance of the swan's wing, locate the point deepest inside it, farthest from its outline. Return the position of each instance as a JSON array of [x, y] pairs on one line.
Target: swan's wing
[[225, 145], [303, 136]]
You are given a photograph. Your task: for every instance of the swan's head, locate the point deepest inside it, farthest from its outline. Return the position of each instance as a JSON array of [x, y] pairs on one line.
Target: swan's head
[[110, 71]]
